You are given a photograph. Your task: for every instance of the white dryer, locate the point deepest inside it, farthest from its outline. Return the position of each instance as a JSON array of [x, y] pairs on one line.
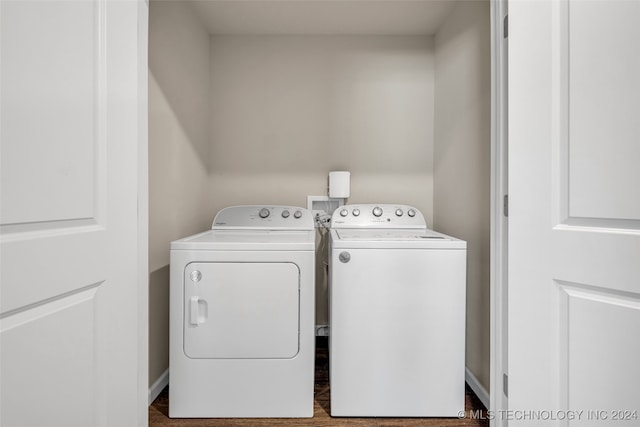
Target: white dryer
[[397, 315], [242, 316]]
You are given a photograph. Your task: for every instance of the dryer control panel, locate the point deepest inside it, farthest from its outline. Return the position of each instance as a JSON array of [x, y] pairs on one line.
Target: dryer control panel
[[377, 216], [266, 217]]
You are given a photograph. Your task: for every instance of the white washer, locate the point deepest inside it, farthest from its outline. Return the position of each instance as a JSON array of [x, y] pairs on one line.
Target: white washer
[[397, 315], [242, 316]]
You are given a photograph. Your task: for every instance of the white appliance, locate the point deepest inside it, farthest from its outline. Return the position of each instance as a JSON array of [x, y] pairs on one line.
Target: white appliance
[[397, 315], [242, 316]]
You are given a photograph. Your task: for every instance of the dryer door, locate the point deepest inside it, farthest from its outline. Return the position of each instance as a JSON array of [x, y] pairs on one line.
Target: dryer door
[[241, 310]]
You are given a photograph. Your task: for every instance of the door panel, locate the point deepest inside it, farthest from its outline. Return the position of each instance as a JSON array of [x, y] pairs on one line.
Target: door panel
[[574, 229], [48, 350], [603, 108], [50, 99], [599, 352]]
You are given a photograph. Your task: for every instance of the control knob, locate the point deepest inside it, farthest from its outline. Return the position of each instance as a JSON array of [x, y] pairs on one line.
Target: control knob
[[356, 212], [297, 214], [399, 212], [411, 213], [285, 214], [377, 211], [344, 212], [264, 212]]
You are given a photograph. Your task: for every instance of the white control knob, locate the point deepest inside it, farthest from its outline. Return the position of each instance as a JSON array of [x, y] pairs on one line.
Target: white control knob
[[356, 212], [399, 212], [285, 214], [344, 212], [297, 214], [377, 211], [411, 213], [264, 212]]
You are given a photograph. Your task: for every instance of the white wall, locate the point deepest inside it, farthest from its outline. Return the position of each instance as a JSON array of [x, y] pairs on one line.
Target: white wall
[[286, 110], [462, 165], [178, 153]]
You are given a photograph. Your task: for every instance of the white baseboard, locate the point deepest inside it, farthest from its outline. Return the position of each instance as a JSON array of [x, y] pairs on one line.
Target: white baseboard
[[477, 388], [158, 386]]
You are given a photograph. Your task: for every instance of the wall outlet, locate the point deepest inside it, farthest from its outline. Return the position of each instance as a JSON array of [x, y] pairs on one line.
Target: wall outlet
[[322, 206]]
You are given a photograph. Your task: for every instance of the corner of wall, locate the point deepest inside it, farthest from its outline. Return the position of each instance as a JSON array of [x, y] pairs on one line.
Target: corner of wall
[[462, 164], [179, 111]]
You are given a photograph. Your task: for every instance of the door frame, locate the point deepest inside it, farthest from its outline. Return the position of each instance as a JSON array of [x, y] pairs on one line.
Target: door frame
[[498, 395]]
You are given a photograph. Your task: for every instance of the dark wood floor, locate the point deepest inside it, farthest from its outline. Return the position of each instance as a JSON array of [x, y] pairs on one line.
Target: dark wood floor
[[159, 410]]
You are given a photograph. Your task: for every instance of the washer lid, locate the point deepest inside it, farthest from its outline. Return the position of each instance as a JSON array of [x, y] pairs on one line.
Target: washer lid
[[390, 234], [394, 238], [236, 240]]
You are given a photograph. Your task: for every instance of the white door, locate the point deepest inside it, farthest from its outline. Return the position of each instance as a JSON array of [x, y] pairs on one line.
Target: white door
[[574, 215], [73, 143]]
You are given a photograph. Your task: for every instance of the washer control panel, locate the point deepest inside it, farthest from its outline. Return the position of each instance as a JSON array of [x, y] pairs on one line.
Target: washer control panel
[[377, 216], [264, 217]]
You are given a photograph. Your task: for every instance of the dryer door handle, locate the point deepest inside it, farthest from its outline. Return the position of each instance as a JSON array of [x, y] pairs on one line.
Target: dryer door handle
[[194, 310]]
